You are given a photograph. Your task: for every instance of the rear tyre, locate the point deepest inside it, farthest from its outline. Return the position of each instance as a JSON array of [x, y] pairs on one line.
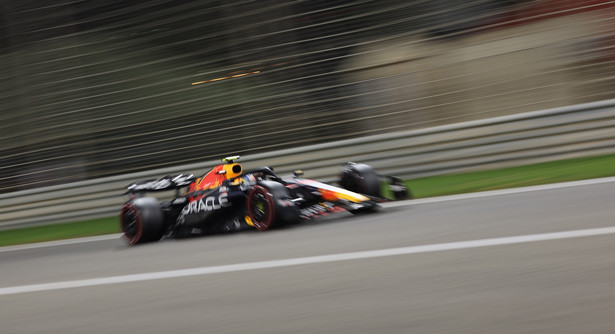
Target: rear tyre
[[141, 221], [360, 178]]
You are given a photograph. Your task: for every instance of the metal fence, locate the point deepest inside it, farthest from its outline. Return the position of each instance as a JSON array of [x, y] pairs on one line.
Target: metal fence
[[94, 89], [575, 131]]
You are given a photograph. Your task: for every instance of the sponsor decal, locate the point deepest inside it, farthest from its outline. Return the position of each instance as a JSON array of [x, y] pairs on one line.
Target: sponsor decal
[[164, 183], [285, 203], [151, 185], [183, 180], [334, 193], [210, 203], [319, 209], [179, 200]]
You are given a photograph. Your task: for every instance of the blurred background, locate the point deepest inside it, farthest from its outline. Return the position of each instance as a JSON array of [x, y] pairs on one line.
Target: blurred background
[[100, 88]]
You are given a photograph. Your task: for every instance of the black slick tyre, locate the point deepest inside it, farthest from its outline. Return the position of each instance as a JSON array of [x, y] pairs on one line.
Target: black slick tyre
[[261, 208], [360, 178], [265, 208], [141, 221]]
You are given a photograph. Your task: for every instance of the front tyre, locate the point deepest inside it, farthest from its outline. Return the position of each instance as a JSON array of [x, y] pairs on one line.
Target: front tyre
[[261, 208], [360, 178], [269, 204], [141, 221]]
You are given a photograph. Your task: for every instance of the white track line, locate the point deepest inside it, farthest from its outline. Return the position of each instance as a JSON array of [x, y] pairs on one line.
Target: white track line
[[304, 260]]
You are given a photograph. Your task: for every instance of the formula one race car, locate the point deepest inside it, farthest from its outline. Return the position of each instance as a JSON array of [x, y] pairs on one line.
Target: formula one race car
[[228, 199]]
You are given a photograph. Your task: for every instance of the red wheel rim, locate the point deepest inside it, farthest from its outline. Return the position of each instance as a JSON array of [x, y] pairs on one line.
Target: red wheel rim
[[261, 208], [131, 223]]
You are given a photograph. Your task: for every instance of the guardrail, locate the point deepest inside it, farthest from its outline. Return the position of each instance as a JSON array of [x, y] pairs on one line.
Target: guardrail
[[573, 131]]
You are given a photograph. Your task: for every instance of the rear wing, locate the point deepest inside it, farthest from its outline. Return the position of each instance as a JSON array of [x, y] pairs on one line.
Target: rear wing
[[161, 184]]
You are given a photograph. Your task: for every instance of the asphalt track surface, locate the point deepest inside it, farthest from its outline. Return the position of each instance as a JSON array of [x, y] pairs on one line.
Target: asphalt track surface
[[526, 262]]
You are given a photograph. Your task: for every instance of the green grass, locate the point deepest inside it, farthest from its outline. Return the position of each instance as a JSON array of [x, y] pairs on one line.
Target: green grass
[[59, 231], [535, 174]]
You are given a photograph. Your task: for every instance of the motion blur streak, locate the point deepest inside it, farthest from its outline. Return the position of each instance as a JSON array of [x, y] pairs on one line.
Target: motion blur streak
[[93, 89], [307, 260], [224, 78]]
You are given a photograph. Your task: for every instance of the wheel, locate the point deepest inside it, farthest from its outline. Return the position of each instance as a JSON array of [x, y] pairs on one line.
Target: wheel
[[141, 221], [269, 205], [399, 190], [261, 208], [360, 178]]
